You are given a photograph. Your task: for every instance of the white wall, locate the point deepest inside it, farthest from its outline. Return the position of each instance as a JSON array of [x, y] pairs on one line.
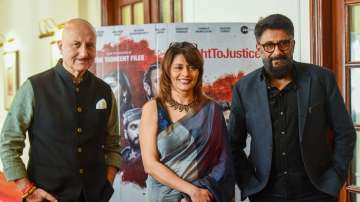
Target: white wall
[[90, 10], [251, 11]]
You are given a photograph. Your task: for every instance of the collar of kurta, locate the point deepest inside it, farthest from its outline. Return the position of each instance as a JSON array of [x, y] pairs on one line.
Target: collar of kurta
[[67, 75]]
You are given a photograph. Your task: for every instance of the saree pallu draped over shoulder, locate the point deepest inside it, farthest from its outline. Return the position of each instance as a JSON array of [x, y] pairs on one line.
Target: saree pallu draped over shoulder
[[196, 149]]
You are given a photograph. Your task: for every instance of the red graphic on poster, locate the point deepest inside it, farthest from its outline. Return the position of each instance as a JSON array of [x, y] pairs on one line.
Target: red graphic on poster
[[221, 89], [131, 58]]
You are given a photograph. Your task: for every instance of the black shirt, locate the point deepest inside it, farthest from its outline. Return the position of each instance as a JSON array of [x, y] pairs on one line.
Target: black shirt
[[288, 178]]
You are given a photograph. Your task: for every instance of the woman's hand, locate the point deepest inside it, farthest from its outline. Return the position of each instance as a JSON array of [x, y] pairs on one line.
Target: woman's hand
[[200, 195], [40, 195]]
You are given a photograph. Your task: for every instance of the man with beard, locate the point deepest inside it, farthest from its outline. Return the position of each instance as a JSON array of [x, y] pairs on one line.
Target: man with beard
[[131, 131], [302, 138], [129, 183]]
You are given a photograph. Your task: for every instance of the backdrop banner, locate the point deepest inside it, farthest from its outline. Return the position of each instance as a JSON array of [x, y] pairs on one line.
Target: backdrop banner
[[128, 59]]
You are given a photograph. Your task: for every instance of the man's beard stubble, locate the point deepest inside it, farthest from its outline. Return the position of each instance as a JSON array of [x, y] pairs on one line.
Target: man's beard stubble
[[134, 144], [278, 72]]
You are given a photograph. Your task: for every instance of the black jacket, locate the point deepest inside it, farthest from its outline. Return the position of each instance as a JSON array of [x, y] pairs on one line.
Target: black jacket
[[321, 112]]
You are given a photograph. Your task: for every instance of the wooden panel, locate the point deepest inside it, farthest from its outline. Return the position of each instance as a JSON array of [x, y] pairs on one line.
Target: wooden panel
[[127, 2], [327, 40], [108, 12], [111, 11], [154, 11], [147, 11], [321, 49], [338, 41], [351, 1], [329, 47]]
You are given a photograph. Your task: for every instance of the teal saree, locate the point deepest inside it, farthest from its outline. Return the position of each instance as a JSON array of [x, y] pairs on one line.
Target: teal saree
[[196, 149]]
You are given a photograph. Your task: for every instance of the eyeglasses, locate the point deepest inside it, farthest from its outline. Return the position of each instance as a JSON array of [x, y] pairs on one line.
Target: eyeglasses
[[283, 45], [182, 45]]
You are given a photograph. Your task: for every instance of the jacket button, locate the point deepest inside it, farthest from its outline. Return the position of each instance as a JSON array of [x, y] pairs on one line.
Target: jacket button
[[79, 130], [81, 171]]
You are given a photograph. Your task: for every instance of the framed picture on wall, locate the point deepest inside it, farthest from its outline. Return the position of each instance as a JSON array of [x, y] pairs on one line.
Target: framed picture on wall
[[11, 79]]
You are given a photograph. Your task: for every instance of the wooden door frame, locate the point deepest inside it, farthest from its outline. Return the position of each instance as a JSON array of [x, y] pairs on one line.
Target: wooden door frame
[[108, 16], [319, 53], [107, 13], [329, 47], [327, 39]]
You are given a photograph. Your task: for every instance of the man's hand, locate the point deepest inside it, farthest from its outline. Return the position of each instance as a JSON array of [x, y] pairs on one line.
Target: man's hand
[[200, 195], [39, 195], [22, 183]]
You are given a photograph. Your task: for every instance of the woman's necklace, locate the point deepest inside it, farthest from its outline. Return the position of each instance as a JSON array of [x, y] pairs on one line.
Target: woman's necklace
[[181, 107]]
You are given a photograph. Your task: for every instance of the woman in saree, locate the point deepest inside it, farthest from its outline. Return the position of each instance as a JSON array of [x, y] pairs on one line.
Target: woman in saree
[[183, 136]]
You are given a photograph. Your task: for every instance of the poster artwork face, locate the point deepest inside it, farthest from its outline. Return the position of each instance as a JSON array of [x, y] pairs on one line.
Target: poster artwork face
[[132, 131], [151, 81]]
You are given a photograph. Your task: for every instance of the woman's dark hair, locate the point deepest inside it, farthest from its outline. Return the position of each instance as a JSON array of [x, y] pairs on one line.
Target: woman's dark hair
[[192, 55]]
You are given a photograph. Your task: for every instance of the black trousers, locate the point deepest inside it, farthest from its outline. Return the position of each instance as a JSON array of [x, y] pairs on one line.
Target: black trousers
[[82, 197], [311, 197]]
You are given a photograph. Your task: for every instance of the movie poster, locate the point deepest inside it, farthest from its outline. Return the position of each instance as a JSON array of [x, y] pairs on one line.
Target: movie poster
[[128, 59]]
